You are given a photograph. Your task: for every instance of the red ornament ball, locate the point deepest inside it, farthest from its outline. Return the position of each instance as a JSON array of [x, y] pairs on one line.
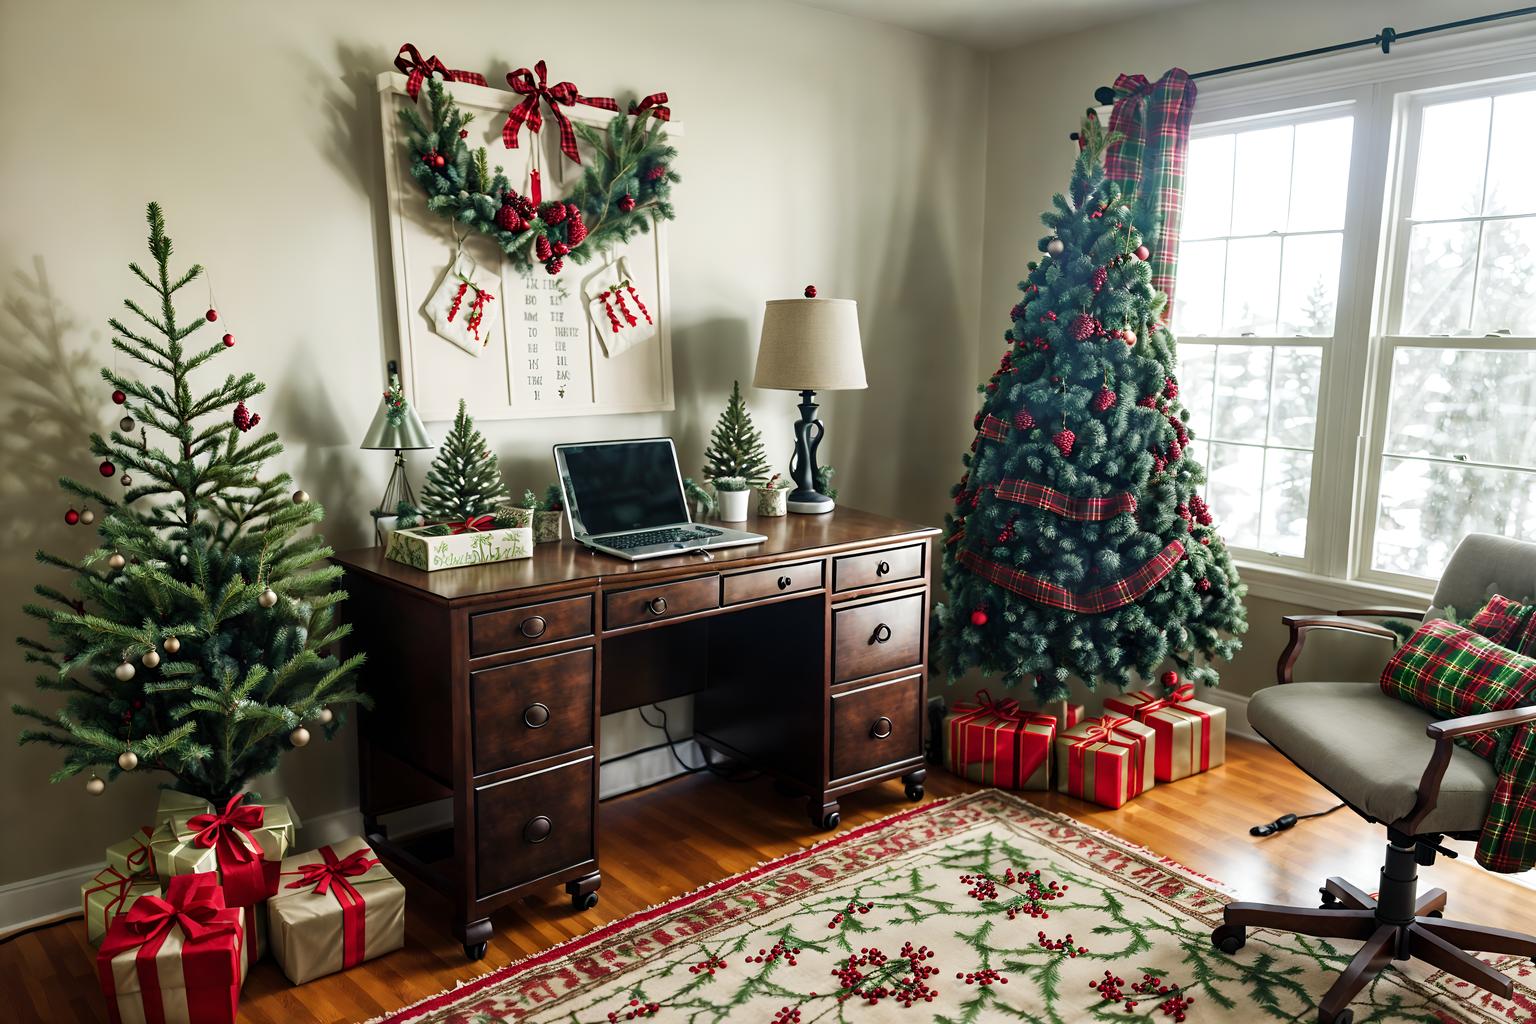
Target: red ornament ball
[[979, 617], [1142, 252], [463, 133], [71, 517], [229, 341], [106, 468], [626, 203], [1170, 679], [211, 315], [810, 291], [439, 161], [118, 398]]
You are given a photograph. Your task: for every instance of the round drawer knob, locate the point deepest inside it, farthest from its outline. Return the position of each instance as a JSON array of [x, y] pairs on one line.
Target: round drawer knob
[[533, 627], [657, 606], [881, 728], [881, 635], [883, 569], [537, 830], [784, 582], [536, 716]]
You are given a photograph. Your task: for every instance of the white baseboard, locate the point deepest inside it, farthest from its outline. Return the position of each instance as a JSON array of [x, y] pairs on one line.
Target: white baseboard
[[33, 901], [1237, 710]]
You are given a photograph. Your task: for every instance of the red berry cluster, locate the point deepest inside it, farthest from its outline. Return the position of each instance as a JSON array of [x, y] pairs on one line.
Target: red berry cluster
[[1105, 400], [636, 1010], [872, 976], [1170, 388], [853, 907], [786, 1015], [458, 299], [982, 976], [708, 966], [1175, 1005], [779, 951], [1100, 277], [1201, 510], [1203, 585], [550, 249], [1030, 901], [477, 306], [626, 203], [1062, 945], [656, 173], [244, 418]]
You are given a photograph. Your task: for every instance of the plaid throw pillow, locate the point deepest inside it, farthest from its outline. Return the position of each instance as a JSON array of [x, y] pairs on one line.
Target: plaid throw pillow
[[1507, 623]]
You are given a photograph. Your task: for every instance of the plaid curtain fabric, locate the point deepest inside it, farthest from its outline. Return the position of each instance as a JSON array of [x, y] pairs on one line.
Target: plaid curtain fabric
[[1153, 123], [1451, 671]]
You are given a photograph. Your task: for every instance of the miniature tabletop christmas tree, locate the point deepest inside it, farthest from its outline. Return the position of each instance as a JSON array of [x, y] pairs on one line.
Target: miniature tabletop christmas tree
[[196, 639], [464, 482], [1079, 543], [736, 446]]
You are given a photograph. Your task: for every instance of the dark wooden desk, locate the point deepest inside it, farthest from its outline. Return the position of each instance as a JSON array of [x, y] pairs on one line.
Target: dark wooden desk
[[807, 656]]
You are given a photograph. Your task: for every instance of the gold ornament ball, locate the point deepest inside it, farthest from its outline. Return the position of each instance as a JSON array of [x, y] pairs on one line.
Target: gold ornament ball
[[300, 496], [87, 517], [127, 760], [117, 561], [151, 658], [171, 645], [95, 786], [268, 598], [325, 716], [124, 672], [299, 737]]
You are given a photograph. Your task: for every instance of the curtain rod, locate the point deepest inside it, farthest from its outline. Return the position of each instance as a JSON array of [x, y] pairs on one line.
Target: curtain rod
[[1384, 39]]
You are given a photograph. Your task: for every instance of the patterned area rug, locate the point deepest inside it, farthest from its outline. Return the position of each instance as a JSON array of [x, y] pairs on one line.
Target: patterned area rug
[[980, 908]]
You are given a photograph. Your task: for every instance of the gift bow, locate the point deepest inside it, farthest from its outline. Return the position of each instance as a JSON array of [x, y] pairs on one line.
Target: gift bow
[[409, 63], [319, 878], [1181, 694], [1102, 728], [473, 524], [223, 829], [654, 104], [196, 910], [1006, 709], [533, 89]]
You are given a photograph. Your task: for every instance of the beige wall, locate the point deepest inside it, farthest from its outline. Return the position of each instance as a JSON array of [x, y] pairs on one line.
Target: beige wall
[[819, 149]]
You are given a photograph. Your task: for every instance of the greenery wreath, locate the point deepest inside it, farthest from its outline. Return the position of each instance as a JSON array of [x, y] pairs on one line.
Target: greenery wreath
[[627, 184]]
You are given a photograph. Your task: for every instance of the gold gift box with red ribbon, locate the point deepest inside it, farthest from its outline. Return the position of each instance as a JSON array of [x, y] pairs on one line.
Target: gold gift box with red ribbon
[[177, 959], [1107, 760], [242, 842], [110, 893], [1191, 734], [133, 856], [995, 743], [335, 907]]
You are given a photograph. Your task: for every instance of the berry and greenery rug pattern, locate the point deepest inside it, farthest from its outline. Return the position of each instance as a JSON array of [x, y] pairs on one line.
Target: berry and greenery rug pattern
[[980, 908]]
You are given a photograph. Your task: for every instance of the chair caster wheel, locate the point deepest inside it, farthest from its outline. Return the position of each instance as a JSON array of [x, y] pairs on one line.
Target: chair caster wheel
[[475, 950], [831, 821], [1342, 1017], [915, 791], [1229, 938], [1330, 901], [580, 902], [1435, 913]]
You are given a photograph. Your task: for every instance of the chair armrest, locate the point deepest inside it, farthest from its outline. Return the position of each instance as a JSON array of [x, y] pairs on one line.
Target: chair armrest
[[1445, 734], [1301, 625], [1382, 613]]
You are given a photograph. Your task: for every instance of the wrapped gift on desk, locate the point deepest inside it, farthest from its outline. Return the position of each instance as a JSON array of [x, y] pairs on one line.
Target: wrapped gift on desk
[[133, 856], [109, 894], [244, 843], [335, 907], [1107, 760], [997, 744], [1191, 734], [176, 959]]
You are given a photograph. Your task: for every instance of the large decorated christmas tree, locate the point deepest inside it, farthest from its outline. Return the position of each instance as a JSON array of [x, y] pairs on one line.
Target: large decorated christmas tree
[[1079, 544], [196, 639]]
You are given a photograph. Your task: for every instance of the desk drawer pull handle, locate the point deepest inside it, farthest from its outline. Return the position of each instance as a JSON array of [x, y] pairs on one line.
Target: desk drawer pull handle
[[784, 582], [881, 635], [537, 830], [656, 606], [533, 627], [882, 728], [536, 716], [883, 569]]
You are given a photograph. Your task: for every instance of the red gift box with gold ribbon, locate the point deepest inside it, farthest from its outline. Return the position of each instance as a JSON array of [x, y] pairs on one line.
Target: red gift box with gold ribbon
[[1191, 734], [1107, 760], [996, 743]]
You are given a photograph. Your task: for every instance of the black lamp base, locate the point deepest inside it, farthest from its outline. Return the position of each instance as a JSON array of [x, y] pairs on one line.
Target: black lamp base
[[809, 504], [805, 498], [397, 490]]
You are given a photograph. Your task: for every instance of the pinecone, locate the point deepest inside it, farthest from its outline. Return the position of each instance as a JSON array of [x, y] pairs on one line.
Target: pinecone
[[1183, 511], [656, 173], [541, 248], [244, 418], [626, 203], [1022, 420], [1085, 326], [1175, 451], [1104, 400], [553, 213], [508, 220], [553, 266], [1180, 429], [1201, 510], [1158, 464], [1064, 439], [1170, 388], [1147, 401], [1017, 312], [524, 207], [576, 232], [1100, 276]]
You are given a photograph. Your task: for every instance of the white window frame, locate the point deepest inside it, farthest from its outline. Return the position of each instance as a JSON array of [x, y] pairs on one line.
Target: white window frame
[[1380, 93]]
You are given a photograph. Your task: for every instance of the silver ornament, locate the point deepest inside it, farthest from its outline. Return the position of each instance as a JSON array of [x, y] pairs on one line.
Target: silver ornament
[[183, 559], [127, 760], [95, 786], [299, 737], [151, 658], [87, 517], [126, 479], [117, 561], [171, 645], [126, 424], [124, 672], [268, 598], [325, 716], [1055, 247], [300, 496]]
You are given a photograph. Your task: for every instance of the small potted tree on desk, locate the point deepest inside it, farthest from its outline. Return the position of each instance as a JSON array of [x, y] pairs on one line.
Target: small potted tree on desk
[[548, 515], [734, 459], [732, 493]]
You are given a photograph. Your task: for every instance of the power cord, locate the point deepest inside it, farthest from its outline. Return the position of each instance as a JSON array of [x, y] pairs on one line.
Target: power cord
[[708, 765], [1286, 822]]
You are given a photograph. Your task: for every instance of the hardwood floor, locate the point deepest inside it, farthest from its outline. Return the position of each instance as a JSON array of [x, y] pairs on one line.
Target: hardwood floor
[[677, 836]]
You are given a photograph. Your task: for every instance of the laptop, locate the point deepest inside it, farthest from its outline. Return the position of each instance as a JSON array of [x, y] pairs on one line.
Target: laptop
[[625, 498]]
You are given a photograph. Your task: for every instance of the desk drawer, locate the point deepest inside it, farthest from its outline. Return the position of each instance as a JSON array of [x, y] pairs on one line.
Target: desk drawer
[[532, 826], [663, 601], [510, 629], [886, 566], [877, 725], [783, 579], [531, 709], [871, 638]]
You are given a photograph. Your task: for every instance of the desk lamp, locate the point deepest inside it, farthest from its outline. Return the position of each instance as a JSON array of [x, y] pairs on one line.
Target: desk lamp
[[810, 345], [395, 426]]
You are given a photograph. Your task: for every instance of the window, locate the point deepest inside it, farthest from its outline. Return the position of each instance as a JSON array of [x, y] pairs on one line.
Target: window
[[1356, 311]]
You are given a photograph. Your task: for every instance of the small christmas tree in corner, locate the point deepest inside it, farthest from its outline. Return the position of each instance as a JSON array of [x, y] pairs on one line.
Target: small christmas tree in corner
[[1079, 544], [464, 483], [736, 446], [196, 639]]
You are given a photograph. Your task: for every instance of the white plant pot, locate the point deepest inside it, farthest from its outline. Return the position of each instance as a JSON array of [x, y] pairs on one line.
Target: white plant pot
[[733, 505]]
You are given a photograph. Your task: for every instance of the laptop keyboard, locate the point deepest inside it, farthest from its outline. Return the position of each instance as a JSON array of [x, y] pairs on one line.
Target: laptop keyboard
[[629, 541]]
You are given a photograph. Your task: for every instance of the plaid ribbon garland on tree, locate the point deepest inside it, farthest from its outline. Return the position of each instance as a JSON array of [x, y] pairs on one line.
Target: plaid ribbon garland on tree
[[534, 86], [992, 428], [1083, 510], [1149, 159], [1093, 602]]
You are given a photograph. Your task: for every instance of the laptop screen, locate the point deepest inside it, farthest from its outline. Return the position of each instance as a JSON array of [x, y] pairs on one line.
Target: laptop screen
[[624, 485]]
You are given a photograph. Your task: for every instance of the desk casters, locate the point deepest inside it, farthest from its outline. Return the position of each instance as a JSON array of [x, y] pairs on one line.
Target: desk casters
[[914, 784], [824, 814], [476, 936], [583, 891], [475, 950]]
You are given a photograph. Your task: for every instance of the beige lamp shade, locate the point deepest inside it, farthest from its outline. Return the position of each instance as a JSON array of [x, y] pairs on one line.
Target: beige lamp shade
[[811, 345]]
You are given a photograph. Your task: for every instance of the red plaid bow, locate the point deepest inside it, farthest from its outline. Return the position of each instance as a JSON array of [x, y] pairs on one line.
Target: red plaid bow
[[319, 878], [527, 112], [225, 829], [473, 524], [195, 907], [409, 63], [654, 104]]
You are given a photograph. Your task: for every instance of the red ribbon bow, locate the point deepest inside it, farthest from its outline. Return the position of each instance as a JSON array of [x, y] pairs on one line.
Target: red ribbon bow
[[1101, 729], [225, 829], [319, 878], [654, 104], [473, 524], [195, 907], [409, 63], [1007, 708], [527, 112], [1181, 694]]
